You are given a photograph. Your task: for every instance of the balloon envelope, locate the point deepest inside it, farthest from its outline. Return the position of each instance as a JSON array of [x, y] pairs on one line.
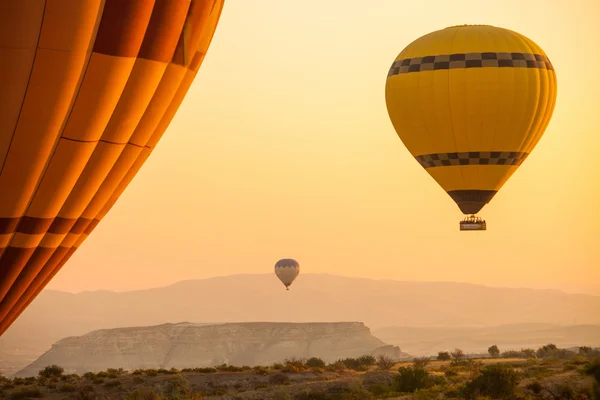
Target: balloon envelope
[[287, 270], [87, 88], [470, 103]]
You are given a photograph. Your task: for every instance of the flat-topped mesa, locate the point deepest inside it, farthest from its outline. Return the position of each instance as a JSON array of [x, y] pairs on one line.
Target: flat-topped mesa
[[188, 345]]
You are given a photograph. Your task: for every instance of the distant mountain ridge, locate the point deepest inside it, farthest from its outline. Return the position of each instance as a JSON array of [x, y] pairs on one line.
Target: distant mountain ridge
[[312, 298]]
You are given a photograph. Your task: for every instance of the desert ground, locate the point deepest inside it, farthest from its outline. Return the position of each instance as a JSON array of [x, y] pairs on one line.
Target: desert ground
[[548, 373]]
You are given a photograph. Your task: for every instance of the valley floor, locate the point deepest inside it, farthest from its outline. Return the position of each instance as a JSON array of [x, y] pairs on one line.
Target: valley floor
[[551, 378]]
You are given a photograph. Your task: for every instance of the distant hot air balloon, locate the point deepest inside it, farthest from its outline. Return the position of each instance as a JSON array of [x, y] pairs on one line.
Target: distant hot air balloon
[[470, 103], [287, 270], [87, 88]]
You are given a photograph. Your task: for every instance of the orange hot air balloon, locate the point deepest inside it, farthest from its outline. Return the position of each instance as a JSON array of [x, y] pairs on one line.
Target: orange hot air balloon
[[87, 88]]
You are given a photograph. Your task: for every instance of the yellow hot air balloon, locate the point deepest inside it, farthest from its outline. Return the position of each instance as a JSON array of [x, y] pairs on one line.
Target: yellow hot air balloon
[[87, 88], [470, 103]]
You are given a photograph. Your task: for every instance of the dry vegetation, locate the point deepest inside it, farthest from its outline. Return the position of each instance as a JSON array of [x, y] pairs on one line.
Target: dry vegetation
[[545, 373]]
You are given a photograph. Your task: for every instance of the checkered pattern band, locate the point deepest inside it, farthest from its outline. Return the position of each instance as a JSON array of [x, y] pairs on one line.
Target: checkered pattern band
[[472, 158], [287, 263], [470, 60]]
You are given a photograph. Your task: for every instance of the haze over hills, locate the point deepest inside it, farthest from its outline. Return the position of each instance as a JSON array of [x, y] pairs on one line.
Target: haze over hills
[[426, 340], [55, 315]]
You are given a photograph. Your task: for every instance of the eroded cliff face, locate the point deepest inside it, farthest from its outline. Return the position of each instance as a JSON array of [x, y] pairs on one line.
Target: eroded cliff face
[[186, 345]]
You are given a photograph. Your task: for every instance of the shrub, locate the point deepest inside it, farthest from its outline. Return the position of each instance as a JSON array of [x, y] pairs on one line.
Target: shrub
[[353, 363], [86, 393], [385, 362], [260, 370], [290, 369], [229, 368], [97, 381], [535, 387], [538, 372], [337, 366], [142, 394], [473, 368], [566, 391], [30, 380], [51, 371], [456, 392], [512, 354], [279, 379], [546, 349], [277, 366], [457, 354], [410, 379], [586, 393], [66, 388], [359, 364], [356, 391], [550, 351], [569, 367], [444, 356], [296, 362], [26, 393], [578, 360], [528, 353], [496, 381], [593, 369], [116, 371], [458, 357], [380, 390], [315, 362], [432, 393], [420, 362], [367, 360], [177, 388], [494, 351], [112, 384], [205, 370]]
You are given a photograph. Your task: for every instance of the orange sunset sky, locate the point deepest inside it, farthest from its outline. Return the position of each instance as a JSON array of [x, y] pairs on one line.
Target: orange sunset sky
[[283, 148]]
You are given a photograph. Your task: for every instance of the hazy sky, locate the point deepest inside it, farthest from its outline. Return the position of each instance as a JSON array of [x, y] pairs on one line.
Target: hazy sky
[[283, 148]]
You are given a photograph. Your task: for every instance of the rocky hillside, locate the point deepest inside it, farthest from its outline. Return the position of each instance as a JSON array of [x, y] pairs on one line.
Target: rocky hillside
[[187, 345]]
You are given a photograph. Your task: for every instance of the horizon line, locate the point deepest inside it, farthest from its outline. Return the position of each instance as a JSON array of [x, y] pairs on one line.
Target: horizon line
[[332, 275]]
